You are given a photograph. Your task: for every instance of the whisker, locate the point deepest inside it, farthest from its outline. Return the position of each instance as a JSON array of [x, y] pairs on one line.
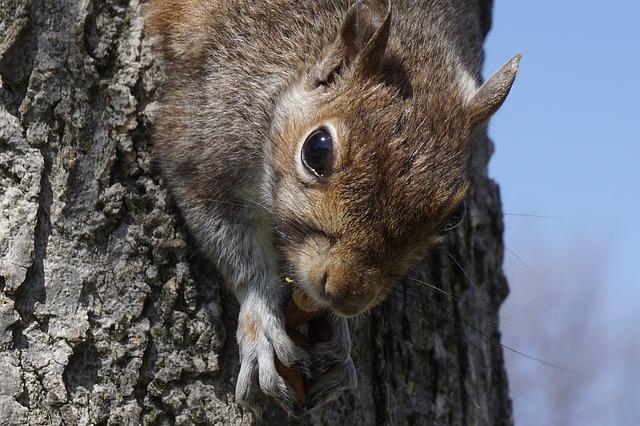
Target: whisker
[[433, 287], [249, 205], [518, 258], [526, 396], [257, 204], [511, 380], [462, 269], [535, 216], [294, 245], [532, 216], [435, 305], [438, 312], [509, 348], [451, 295]]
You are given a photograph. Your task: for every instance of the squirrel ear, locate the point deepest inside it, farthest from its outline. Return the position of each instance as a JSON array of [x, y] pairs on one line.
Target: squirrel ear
[[490, 96], [182, 28], [361, 41]]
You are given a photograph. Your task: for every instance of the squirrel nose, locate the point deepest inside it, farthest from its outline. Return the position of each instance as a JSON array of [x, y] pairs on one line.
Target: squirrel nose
[[344, 297]]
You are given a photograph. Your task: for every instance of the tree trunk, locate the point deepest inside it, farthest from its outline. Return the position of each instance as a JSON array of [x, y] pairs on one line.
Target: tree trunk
[[109, 315]]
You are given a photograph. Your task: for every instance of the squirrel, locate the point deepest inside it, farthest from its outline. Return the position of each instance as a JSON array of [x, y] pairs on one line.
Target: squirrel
[[325, 140]]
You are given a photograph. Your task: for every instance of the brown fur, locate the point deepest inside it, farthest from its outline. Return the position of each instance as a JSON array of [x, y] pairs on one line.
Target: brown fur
[[249, 327]]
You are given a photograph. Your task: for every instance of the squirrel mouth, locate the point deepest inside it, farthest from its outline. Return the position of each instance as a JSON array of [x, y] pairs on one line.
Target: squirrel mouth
[[309, 301]]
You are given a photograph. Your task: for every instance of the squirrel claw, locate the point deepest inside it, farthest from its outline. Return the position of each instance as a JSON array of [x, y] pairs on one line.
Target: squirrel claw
[[261, 337]]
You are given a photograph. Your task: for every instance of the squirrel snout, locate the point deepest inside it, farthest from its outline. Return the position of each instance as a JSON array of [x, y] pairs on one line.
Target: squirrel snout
[[346, 296]]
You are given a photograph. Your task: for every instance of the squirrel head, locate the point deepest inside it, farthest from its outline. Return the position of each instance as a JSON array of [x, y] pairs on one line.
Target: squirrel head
[[369, 158]]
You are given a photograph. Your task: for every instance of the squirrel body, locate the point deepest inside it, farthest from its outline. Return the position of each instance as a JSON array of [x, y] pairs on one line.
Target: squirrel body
[[324, 139]]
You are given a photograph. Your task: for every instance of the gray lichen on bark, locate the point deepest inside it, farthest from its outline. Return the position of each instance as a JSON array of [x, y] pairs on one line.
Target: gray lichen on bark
[[108, 313]]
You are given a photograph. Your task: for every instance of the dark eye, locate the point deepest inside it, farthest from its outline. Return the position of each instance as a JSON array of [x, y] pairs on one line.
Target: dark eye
[[316, 152], [455, 218]]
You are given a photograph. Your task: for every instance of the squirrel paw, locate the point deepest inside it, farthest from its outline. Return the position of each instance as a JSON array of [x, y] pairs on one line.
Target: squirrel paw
[[331, 384], [336, 351], [262, 337], [333, 371]]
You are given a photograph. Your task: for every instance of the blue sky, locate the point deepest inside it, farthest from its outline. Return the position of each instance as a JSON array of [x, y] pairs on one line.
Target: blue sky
[[567, 140], [568, 144]]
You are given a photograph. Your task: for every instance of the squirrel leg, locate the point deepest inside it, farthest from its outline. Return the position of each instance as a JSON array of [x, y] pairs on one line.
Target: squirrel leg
[[336, 351], [244, 252], [333, 371]]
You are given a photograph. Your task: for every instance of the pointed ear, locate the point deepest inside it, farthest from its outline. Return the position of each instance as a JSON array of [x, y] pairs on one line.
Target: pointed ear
[[360, 43], [182, 26], [490, 96]]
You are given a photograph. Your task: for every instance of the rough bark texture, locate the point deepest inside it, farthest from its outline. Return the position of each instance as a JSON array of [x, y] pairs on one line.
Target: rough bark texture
[[108, 315]]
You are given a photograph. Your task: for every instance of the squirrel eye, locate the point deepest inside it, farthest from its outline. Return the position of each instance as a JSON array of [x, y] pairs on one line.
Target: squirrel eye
[[454, 220], [316, 152]]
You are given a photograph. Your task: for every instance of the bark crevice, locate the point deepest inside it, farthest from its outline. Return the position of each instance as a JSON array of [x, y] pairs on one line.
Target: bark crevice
[[32, 290]]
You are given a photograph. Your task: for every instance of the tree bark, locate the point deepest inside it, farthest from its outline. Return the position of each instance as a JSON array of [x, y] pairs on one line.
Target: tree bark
[[109, 315]]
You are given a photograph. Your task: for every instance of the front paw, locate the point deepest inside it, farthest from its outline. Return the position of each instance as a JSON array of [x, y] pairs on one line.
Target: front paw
[[332, 352], [333, 371], [262, 337]]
